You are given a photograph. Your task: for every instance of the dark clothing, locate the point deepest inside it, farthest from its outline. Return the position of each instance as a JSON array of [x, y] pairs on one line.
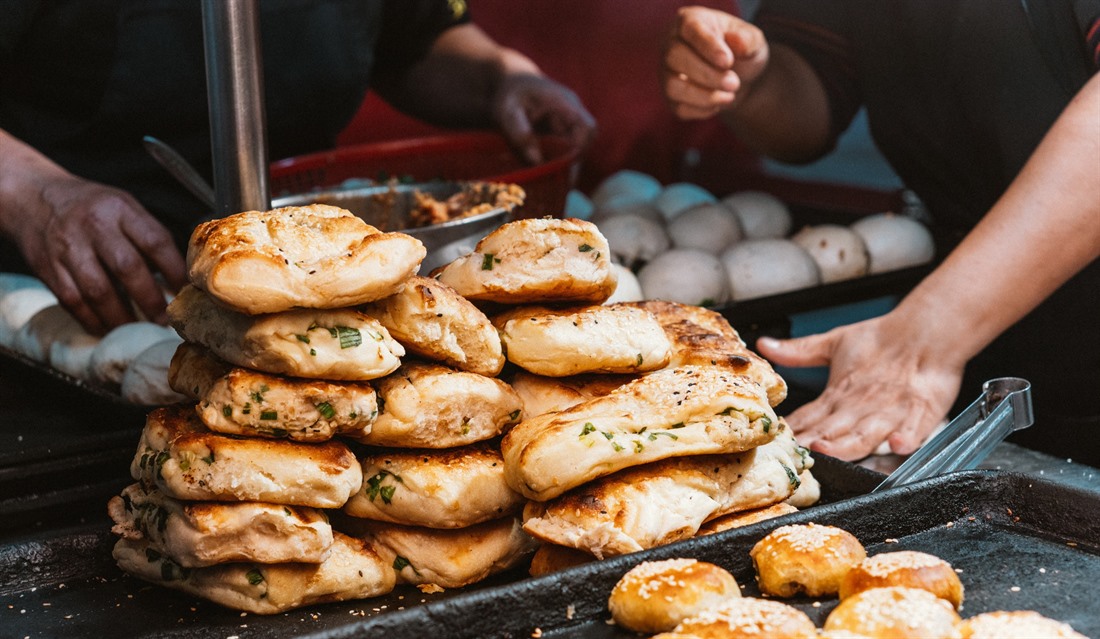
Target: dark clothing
[[959, 94], [83, 82]]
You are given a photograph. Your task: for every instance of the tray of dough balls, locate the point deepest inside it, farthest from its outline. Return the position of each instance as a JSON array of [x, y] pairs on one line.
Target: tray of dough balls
[[356, 440], [750, 254]]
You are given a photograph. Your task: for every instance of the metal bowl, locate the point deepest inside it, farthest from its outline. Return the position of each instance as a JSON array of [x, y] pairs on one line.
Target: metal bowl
[[388, 208]]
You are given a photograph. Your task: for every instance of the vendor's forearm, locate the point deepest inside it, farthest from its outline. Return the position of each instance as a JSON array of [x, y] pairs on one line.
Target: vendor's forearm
[[1043, 230], [455, 83], [784, 113]]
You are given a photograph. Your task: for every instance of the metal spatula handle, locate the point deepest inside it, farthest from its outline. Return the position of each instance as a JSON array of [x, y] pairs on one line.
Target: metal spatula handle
[[1003, 407]]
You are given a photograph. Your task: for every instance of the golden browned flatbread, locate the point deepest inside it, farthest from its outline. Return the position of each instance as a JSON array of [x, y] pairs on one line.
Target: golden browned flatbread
[[204, 533], [582, 339], [352, 570], [341, 344], [184, 460], [693, 410], [426, 405], [433, 321], [541, 394], [702, 336], [315, 256], [530, 261], [449, 488], [241, 401], [668, 500]]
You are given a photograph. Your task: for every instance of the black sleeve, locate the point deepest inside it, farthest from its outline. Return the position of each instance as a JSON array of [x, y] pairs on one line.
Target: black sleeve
[[814, 29], [1088, 19], [409, 27], [17, 18]]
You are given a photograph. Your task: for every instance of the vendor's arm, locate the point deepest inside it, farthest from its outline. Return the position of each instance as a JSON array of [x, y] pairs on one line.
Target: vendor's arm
[[718, 64], [92, 244], [895, 377], [468, 80]]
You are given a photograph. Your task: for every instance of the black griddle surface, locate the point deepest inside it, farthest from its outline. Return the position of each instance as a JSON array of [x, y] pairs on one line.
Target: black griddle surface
[[1020, 542]]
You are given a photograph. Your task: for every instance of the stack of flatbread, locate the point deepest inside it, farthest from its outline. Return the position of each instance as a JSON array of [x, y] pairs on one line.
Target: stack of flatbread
[[615, 463], [232, 487], [350, 425]]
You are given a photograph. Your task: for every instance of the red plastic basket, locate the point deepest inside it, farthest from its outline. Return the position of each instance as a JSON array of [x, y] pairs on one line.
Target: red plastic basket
[[458, 156]]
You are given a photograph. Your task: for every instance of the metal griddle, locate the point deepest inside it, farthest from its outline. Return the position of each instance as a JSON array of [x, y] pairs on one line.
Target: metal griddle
[[1021, 543]]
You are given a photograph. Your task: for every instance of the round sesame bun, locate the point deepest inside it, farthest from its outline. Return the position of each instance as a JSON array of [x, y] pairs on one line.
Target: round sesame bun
[[904, 568], [1018, 624], [895, 612], [749, 618], [654, 596], [807, 558]]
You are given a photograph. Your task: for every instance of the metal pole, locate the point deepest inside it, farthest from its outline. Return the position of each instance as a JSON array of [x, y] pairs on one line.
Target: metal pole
[[235, 90]]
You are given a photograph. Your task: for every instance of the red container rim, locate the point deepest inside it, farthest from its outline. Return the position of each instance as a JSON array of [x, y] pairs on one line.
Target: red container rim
[[558, 149]]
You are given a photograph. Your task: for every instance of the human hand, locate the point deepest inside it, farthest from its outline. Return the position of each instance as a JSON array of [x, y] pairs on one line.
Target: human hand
[[882, 387], [526, 104], [94, 246], [710, 56]]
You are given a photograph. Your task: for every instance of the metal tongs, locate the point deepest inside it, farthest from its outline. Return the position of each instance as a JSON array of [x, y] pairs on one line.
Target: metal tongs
[[1003, 407]]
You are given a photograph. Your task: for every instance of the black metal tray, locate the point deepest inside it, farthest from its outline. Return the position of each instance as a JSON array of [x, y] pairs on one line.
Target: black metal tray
[[68, 585], [1021, 543]]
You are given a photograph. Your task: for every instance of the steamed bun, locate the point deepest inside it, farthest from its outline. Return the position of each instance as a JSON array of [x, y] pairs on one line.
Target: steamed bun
[[687, 276], [758, 268], [710, 227], [895, 241], [839, 252], [762, 215]]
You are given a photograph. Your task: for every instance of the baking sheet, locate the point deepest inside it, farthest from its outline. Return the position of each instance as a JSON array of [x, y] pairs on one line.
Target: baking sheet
[[1020, 542]]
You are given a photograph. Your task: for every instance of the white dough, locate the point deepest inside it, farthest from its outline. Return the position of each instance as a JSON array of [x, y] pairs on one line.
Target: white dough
[[839, 251], [633, 240], [120, 346], [678, 197], [72, 356], [627, 186], [640, 209], [47, 326], [762, 215], [18, 307], [687, 276], [146, 379], [758, 268], [627, 289], [895, 241], [710, 227]]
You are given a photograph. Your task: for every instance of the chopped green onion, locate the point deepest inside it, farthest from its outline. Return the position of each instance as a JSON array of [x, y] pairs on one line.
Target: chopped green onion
[[349, 337], [400, 563], [326, 410], [588, 428], [487, 262], [268, 415], [227, 410], [584, 248], [254, 576], [303, 338]]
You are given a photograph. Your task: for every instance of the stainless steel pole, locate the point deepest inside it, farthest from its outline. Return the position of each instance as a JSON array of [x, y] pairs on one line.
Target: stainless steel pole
[[235, 90]]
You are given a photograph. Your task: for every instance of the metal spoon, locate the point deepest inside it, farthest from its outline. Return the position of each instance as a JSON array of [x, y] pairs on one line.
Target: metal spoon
[[180, 169]]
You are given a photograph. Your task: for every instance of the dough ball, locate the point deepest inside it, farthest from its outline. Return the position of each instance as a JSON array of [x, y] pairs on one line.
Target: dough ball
[[895, 612], [678, 197], [757, 268], [633, 240], [655, 596], [639, 209], [18, 307], [749, 617], [627, 289], [762, 215], [578, 205], [686, 276], [146, 379], [121, 345], [709, 227], [895, 241], [839, 251], [1017, 624], [904, 568], [73, 355], [47, 326], [806, 558], [626, 186]]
